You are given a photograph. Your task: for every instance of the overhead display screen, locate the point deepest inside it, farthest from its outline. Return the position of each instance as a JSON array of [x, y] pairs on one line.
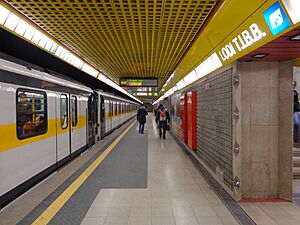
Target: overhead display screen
[[136, 82]]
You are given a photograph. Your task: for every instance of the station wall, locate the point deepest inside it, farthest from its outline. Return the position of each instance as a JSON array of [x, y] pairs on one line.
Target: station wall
[[244, 128]]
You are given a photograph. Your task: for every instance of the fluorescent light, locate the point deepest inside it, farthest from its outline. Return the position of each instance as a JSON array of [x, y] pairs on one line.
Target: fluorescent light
[[109, 82], [43, 41], [3, 14], [90, 70], [209, 65], [29, 32], [21, 27], [180, 84], [54, 47], [58, 51], [36, 37], [76, 61], [102, 78], [12, 21], [199, 71], [293, 9], [49, 44], [190, 78], [141, 93], [63, 53], [294, 38], [216, 60], [260, 55]]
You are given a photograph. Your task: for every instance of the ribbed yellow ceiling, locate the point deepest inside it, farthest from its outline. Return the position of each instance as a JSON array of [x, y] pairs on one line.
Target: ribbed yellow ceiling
[[126, 38]]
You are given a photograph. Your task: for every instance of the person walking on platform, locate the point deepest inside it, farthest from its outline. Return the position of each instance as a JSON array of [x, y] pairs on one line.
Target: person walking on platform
[[156, 111], [163, 119], [295, 116], [141, 118]]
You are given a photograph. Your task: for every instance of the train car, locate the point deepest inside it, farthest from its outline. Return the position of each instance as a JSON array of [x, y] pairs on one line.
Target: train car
[[113, 112], [45, 121]]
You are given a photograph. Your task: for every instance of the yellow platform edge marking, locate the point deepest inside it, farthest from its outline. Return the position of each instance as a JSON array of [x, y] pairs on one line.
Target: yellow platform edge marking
[[52, 210]]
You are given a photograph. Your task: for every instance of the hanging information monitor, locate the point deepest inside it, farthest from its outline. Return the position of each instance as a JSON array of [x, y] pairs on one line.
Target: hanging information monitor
[[137, 82]]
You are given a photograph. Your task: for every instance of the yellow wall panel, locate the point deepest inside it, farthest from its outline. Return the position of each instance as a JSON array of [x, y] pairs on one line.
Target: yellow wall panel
[[230, 15], [232, 18]]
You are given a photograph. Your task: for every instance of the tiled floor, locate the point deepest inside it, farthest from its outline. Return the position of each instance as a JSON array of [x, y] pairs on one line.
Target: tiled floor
[[273, 213], [176, 193]]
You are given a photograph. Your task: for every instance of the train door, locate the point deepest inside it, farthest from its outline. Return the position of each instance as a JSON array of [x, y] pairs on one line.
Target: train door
[[91, 111], [95, 116], [114, 113], [75, 131], [62, 128], [102, 117]]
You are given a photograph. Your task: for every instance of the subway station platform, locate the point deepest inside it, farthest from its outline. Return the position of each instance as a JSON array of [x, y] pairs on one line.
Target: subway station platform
[[138, 179]]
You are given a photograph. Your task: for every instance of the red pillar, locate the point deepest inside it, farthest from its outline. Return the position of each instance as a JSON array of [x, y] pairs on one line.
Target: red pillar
[[192, 116]]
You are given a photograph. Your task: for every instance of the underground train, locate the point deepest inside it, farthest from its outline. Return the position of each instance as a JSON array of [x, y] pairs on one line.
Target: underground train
[[46, 121]]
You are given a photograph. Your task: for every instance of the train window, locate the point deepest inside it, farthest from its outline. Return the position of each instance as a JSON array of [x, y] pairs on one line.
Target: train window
[[110, 109], [31, 113], [74, 111], [64, 111], [115, 104]]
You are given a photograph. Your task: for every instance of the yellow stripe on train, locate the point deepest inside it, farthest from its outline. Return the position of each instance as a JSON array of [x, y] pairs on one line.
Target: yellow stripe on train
[[9, 139]]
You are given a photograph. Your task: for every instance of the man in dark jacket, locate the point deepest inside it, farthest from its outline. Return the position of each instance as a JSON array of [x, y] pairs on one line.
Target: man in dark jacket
[[141, 117], [163, 118]]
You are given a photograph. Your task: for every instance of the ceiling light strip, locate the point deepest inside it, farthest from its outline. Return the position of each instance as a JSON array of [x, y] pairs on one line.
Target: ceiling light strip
[[209, 65], [17, 25]]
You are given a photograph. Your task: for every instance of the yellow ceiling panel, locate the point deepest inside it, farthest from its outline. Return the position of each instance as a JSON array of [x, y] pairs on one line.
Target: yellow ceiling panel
[[126, 38]]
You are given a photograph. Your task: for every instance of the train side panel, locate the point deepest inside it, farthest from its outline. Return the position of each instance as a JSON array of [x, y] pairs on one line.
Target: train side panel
[[18, 161]]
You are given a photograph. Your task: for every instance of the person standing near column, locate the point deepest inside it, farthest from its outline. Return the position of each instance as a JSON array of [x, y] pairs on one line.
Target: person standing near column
[[296, 117], [141, 118]]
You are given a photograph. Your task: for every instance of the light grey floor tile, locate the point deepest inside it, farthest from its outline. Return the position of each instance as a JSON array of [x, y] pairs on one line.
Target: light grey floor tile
[[285, 220], [263, 220], [162, 220], [203, 210], [140, 211], [139, 220], [116, 220], [186, 220], [183, 211], [119, 212], [209, 220], [94, 220]]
